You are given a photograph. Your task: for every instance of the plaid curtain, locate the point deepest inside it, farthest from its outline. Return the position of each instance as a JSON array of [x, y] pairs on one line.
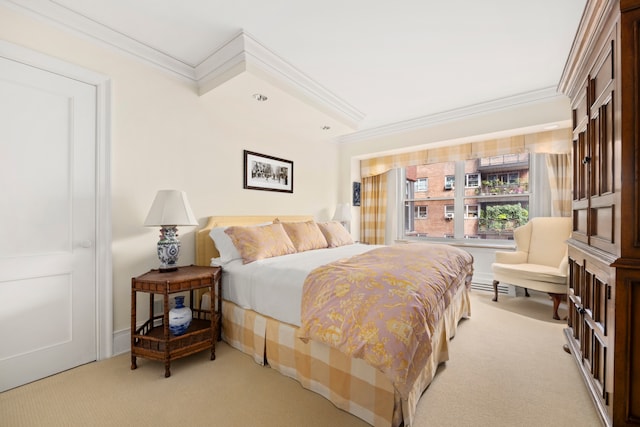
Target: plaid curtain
[[373, 209], [559, 168], [373, 194], [554, 141]]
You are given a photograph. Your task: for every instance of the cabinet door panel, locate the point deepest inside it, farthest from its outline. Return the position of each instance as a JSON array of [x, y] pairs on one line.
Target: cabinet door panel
[[594, 329], [598, 365], [599, 304], [603, 75], [581, 160], [602, 216]]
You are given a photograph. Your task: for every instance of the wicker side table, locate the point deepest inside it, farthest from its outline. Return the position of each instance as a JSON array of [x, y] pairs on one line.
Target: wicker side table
[[152, 339]]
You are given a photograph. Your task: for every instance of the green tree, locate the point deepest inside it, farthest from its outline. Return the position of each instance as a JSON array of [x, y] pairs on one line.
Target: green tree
[[504, 217]]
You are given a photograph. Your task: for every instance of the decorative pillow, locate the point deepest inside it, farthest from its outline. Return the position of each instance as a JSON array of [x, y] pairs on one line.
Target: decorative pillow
[[224, 244], [305, 235], [256, 243], [335, 234]]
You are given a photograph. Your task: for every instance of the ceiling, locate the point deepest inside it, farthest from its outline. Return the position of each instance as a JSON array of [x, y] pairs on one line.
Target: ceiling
[[356, 65]]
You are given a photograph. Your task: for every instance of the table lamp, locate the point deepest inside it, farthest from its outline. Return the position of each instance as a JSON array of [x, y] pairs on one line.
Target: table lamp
[[343, 214], [170, 209]]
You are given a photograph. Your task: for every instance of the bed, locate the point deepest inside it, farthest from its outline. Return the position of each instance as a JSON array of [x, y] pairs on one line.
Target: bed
[[254, 321]]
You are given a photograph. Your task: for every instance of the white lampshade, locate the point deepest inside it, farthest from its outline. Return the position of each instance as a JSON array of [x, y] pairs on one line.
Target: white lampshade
[[170, 207], [343, 213]]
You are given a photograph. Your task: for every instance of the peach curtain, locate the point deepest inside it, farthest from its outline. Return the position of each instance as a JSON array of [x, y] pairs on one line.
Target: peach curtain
[[373, 209], [556, 141], [559, 171], [373, 194]]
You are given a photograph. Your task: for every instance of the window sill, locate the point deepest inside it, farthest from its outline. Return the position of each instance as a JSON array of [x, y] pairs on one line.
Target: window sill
[[464, 243]]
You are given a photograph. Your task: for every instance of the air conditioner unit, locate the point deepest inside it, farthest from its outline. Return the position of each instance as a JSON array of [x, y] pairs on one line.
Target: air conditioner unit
[[448, 185], [448, 215]]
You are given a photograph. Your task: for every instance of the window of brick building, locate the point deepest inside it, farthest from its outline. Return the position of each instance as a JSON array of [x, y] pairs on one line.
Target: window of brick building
[[492, 203]]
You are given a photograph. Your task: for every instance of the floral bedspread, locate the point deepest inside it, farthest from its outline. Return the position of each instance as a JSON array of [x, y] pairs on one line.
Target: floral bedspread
[[382, 306]]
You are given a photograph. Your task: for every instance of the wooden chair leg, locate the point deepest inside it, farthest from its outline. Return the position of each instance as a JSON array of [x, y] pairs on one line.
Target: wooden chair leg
[[556, 303], [495, 290]]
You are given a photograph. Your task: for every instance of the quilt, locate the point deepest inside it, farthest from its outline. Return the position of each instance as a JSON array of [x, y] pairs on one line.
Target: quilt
[[382, 306]]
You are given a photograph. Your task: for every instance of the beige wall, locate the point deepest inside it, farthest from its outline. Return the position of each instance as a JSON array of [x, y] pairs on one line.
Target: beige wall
[[163, 135]]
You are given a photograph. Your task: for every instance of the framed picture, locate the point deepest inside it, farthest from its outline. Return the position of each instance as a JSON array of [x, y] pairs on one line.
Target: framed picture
[[262, 172], [356, 194]]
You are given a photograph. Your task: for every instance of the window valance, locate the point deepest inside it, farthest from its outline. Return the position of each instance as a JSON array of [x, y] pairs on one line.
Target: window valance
[[553, 141]]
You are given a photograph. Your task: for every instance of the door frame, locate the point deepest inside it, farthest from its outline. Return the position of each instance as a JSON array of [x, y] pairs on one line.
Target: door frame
[[103, 258]]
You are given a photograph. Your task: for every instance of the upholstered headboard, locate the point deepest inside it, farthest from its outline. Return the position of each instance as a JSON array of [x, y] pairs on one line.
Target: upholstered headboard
[[206, 249]]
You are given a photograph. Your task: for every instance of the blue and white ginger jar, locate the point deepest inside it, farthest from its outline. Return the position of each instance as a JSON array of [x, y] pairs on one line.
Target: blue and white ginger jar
[[179, 317]]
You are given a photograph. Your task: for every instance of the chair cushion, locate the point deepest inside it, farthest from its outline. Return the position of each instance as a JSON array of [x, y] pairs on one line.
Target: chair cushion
[[529, 272], [548, 244]]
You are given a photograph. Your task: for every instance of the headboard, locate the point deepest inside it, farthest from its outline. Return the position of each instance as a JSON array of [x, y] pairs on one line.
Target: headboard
[[206, 249]]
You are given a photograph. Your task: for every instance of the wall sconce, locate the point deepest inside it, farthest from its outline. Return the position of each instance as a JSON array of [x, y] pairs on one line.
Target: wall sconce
[[170, 208]]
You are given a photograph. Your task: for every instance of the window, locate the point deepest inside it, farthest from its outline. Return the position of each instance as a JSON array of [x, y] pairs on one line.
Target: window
[[421, 184], [505, 178], [471, 211], [493, 203], [421, 212], [435, 201], [472, 180], [448, 212], [449, 182]]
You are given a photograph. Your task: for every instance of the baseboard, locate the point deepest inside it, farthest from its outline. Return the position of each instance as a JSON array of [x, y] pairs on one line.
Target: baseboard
[[121, 342]]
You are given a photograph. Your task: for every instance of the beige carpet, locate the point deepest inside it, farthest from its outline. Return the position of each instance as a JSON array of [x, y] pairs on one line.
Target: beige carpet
[[506, 368]]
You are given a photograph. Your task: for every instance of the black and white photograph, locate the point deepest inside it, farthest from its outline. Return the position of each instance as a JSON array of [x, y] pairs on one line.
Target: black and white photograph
[[356, 194], [263, 172]]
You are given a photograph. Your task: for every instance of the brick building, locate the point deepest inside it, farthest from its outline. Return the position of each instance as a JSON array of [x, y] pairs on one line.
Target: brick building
[[496, 197]]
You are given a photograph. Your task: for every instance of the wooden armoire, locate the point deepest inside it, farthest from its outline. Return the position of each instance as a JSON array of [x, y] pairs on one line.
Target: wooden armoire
[[602, 79]]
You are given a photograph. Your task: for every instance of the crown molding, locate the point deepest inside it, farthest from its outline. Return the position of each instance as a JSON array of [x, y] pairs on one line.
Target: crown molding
[[94, 31], [244, 53], [451, 115], [594, 21], [240, 54]]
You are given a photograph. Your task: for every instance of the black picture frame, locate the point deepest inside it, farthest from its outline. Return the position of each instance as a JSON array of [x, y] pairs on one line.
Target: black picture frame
[[267, 173], [356, 194]]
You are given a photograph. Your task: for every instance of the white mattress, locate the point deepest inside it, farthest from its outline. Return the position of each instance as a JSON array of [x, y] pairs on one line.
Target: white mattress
[[273, 286]]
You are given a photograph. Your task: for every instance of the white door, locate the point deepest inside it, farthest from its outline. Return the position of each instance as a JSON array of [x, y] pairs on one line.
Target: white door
[[47, 223]]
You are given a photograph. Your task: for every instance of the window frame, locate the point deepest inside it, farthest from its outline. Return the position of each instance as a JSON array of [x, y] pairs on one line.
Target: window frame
[[537, 205], [417, 182], [466, 211], [449, 182], [416, 212], [466, 180]]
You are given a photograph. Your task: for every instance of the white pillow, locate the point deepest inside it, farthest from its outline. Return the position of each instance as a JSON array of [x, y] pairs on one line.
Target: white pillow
[[225, 246], [216, 262], [228, 251]]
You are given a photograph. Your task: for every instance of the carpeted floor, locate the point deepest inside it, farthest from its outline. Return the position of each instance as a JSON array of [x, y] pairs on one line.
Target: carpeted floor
[[506, 368]]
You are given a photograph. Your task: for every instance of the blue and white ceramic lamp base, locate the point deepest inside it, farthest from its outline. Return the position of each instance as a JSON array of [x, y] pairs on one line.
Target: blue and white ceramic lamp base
[[168, 248]]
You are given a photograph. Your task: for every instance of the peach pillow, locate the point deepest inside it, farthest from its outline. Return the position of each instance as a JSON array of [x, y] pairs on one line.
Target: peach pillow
[[305, 235], [256, 243], [335, 233]]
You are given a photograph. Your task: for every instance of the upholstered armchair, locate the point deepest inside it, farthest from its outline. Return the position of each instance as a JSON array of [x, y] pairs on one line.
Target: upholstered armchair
[[540, 261]]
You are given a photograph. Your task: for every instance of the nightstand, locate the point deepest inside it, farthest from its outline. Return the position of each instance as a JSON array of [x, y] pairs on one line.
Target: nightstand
[[152, 339]]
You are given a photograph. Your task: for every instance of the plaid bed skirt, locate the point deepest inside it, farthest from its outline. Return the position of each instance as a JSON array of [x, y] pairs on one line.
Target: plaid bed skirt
[[350, 384]]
